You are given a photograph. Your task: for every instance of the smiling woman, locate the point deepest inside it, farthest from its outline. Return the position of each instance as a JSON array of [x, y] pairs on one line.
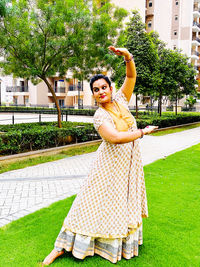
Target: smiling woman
[[106, 216]]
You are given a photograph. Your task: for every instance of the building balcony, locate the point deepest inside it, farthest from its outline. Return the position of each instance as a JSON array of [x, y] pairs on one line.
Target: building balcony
[[195, 41], [75, 90], [195, 55], [59, 90], [195, 27], [198, 64], [149, 12], [196, 12], [196, 68], [17, 89], [75, 87]]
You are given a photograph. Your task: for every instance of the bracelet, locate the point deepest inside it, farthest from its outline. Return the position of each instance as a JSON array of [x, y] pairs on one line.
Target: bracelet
[[142, 133], [129, 60]]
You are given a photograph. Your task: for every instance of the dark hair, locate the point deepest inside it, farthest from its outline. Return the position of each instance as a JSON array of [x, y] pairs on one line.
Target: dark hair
[[97, 77]]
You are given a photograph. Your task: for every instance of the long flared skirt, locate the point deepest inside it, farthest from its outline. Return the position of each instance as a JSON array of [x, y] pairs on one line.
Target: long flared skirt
[[108, 248]]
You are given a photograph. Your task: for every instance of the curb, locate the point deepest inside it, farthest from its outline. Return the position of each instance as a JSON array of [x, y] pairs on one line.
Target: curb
[[53, 150]]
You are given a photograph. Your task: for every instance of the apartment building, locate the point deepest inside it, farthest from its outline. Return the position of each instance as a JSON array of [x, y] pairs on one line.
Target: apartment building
[[177, 22]]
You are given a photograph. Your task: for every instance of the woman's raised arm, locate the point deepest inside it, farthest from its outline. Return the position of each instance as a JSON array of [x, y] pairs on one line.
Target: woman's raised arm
[[129, 83]]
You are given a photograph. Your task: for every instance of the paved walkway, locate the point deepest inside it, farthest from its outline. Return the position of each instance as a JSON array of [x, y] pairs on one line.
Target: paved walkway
[[6, 118], [27, 190]]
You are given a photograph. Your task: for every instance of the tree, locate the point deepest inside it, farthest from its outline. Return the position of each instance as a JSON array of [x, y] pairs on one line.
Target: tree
[[44, 37], [176, 75], [160, 71], [182, 77], [137, 41], [2, 8]]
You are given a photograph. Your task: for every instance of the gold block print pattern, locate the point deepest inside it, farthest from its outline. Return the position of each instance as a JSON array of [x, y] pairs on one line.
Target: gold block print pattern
[[112, 201]]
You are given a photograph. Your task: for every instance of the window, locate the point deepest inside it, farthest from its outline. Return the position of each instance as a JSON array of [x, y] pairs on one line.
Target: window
[[15, 100], [176, 3], [149, 24], [176, 17], [26, 100], [55, 86], [22, 86], [175, 33], [150, 4], [174, 47]]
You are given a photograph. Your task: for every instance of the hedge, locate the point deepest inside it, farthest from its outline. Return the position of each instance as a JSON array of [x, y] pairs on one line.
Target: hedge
[[81, 112], [68, 111], [33, 136]]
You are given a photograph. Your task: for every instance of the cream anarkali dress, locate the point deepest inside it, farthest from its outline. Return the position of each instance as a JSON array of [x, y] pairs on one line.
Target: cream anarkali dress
[[106, 216]]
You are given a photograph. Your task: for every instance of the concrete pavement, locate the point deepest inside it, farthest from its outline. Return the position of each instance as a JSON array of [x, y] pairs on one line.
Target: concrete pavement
[[27, 190], [6, 118]]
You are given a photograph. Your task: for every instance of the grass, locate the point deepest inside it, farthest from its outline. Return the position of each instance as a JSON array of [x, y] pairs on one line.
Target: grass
[[176, 130], [19, 164], [171, 233]]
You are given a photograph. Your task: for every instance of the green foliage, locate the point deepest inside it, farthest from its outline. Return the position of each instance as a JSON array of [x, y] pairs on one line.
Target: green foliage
[[41, 39], [168, 120], [2, 8], [21, 109], [160, 71], [175, 75], [190, 101], [136, 40], [33, 136]]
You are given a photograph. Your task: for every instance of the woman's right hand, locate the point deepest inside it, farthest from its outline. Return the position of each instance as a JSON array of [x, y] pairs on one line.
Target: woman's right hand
[[148, 129]]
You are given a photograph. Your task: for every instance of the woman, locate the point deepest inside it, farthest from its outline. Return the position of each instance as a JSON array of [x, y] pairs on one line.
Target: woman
[[106, 216]]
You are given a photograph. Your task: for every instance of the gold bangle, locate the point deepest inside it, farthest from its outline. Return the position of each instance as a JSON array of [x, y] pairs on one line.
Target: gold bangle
[[129, 60], [142, 133]]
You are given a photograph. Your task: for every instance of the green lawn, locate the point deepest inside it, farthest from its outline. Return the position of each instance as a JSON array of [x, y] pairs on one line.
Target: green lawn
[[23, 163], [171, 233], [175, 130]]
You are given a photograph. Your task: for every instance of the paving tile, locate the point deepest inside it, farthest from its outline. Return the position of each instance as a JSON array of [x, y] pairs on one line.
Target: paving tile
[[27, 190]]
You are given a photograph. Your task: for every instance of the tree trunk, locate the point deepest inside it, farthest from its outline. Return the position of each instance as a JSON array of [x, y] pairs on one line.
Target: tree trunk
[[151, 105], [55, 100], [160, 103], [176, 103], [136, 105]]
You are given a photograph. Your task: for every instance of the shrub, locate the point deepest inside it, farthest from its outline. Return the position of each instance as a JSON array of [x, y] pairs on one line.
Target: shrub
[[32, 136]]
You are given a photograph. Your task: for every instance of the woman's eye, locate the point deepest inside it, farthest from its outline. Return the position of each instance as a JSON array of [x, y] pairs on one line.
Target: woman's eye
[[104, 87], [96, 90]]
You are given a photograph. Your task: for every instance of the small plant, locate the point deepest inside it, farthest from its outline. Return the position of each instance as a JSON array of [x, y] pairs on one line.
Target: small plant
[[190, 101]]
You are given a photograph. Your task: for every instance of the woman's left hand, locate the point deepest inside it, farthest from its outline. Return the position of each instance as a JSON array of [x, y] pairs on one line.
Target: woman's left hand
[[119, 51]]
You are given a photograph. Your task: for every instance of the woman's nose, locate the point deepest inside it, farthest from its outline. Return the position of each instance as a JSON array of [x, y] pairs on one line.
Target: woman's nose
[[101, 90]]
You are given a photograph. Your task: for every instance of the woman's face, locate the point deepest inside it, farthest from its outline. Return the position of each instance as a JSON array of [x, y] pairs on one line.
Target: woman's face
[[101, 91]]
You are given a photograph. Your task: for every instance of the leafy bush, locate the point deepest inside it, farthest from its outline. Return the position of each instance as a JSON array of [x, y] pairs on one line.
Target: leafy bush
[[169, 119], [32, 136], [68, 111]]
